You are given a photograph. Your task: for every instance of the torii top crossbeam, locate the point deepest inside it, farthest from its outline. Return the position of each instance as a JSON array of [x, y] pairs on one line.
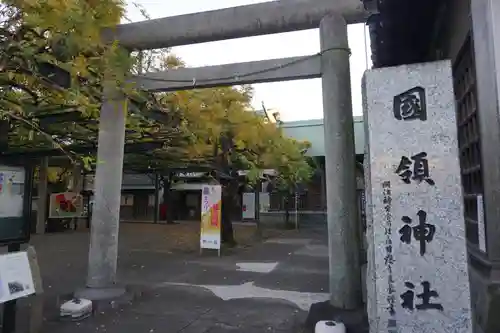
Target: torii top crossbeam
[[236, 22]]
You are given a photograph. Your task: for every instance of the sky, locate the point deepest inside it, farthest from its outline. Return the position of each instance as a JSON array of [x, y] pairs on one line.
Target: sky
[[295, 100]]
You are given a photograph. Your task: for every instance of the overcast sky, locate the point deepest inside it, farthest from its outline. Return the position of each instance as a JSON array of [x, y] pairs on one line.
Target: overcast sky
[[295, 100]]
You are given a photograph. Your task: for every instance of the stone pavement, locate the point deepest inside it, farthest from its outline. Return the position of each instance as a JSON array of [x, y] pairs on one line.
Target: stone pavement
[[268, 287]]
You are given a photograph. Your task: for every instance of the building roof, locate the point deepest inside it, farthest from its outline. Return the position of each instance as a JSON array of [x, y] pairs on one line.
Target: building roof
[[313, 132], [403, 30]]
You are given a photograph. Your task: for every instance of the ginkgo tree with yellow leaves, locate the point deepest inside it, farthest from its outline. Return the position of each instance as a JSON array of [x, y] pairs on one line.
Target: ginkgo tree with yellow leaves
[[52, 53], [222, 120], [52, 58], [256, 144], [52, 61]]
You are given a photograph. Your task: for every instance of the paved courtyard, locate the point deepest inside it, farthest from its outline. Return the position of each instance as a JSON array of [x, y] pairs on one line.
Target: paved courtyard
[[259, 287]]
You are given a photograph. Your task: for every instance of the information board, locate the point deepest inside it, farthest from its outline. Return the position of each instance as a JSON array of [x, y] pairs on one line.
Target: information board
[[16, 280], [11, 191], [14, 225]]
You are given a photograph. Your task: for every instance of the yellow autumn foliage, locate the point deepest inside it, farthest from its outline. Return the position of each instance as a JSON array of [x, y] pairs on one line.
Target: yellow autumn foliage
[[66, 35], [257, 144]]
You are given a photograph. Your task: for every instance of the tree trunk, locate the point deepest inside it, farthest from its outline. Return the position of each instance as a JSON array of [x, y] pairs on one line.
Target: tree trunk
[[258, 189], [167, 199], [288, 202], [227, 234], [156, 216], [4, 134]]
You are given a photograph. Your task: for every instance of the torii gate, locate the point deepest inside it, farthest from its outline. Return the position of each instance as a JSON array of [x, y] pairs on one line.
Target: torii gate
[[331, 64]]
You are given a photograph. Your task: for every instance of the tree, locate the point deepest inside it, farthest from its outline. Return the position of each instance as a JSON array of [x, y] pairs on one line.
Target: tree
[[52, 55], [52, 63], [265, 147], [52, 59], [222, 121]]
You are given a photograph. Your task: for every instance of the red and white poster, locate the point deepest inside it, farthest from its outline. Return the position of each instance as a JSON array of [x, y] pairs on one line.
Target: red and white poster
[[65, 205], [211, 199]]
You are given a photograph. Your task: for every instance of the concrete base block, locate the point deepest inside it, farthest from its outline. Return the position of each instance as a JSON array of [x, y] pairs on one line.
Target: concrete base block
[[101, 294]]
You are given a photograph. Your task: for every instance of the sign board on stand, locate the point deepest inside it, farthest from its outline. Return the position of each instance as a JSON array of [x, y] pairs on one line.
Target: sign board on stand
[[417, 278], [65, 205], [16, 280], [210, 235]]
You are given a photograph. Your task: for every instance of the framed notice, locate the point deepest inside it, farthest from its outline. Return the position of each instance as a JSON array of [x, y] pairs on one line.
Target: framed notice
[[210, 237], [15, 204], [248, 207], [11, 191], [16, 280], [65, 205]]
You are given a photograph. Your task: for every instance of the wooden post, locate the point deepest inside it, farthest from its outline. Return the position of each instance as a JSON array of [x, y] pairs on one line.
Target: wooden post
[[41, 215], [157, 198]]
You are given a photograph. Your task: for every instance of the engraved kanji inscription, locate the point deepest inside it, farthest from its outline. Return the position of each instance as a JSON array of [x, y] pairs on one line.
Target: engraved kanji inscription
[[411, 105], [415, 168], [408, 297], [423, 232]]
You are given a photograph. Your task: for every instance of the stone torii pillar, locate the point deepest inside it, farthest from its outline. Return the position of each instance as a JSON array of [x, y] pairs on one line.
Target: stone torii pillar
[[343, 240], [103, 252]]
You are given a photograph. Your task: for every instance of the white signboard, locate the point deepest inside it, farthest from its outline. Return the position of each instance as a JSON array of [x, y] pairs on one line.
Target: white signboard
[[11, 191], [248, 206], [265, 202], [191, 174], [16, 280]]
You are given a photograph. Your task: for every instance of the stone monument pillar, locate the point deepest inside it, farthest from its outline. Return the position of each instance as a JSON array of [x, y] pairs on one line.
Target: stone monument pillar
[[104, 231], [417, 277]]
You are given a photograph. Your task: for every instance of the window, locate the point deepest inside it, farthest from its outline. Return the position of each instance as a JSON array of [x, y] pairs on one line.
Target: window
[[469, 143], [127, 200]]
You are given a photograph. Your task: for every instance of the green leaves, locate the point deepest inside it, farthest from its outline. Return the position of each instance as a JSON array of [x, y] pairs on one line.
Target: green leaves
[[52, 59]]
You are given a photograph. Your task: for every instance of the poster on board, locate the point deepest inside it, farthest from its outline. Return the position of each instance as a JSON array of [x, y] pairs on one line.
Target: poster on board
[[11, 191], [16, 280], [211, 198], [14, 225], [65, 205]]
